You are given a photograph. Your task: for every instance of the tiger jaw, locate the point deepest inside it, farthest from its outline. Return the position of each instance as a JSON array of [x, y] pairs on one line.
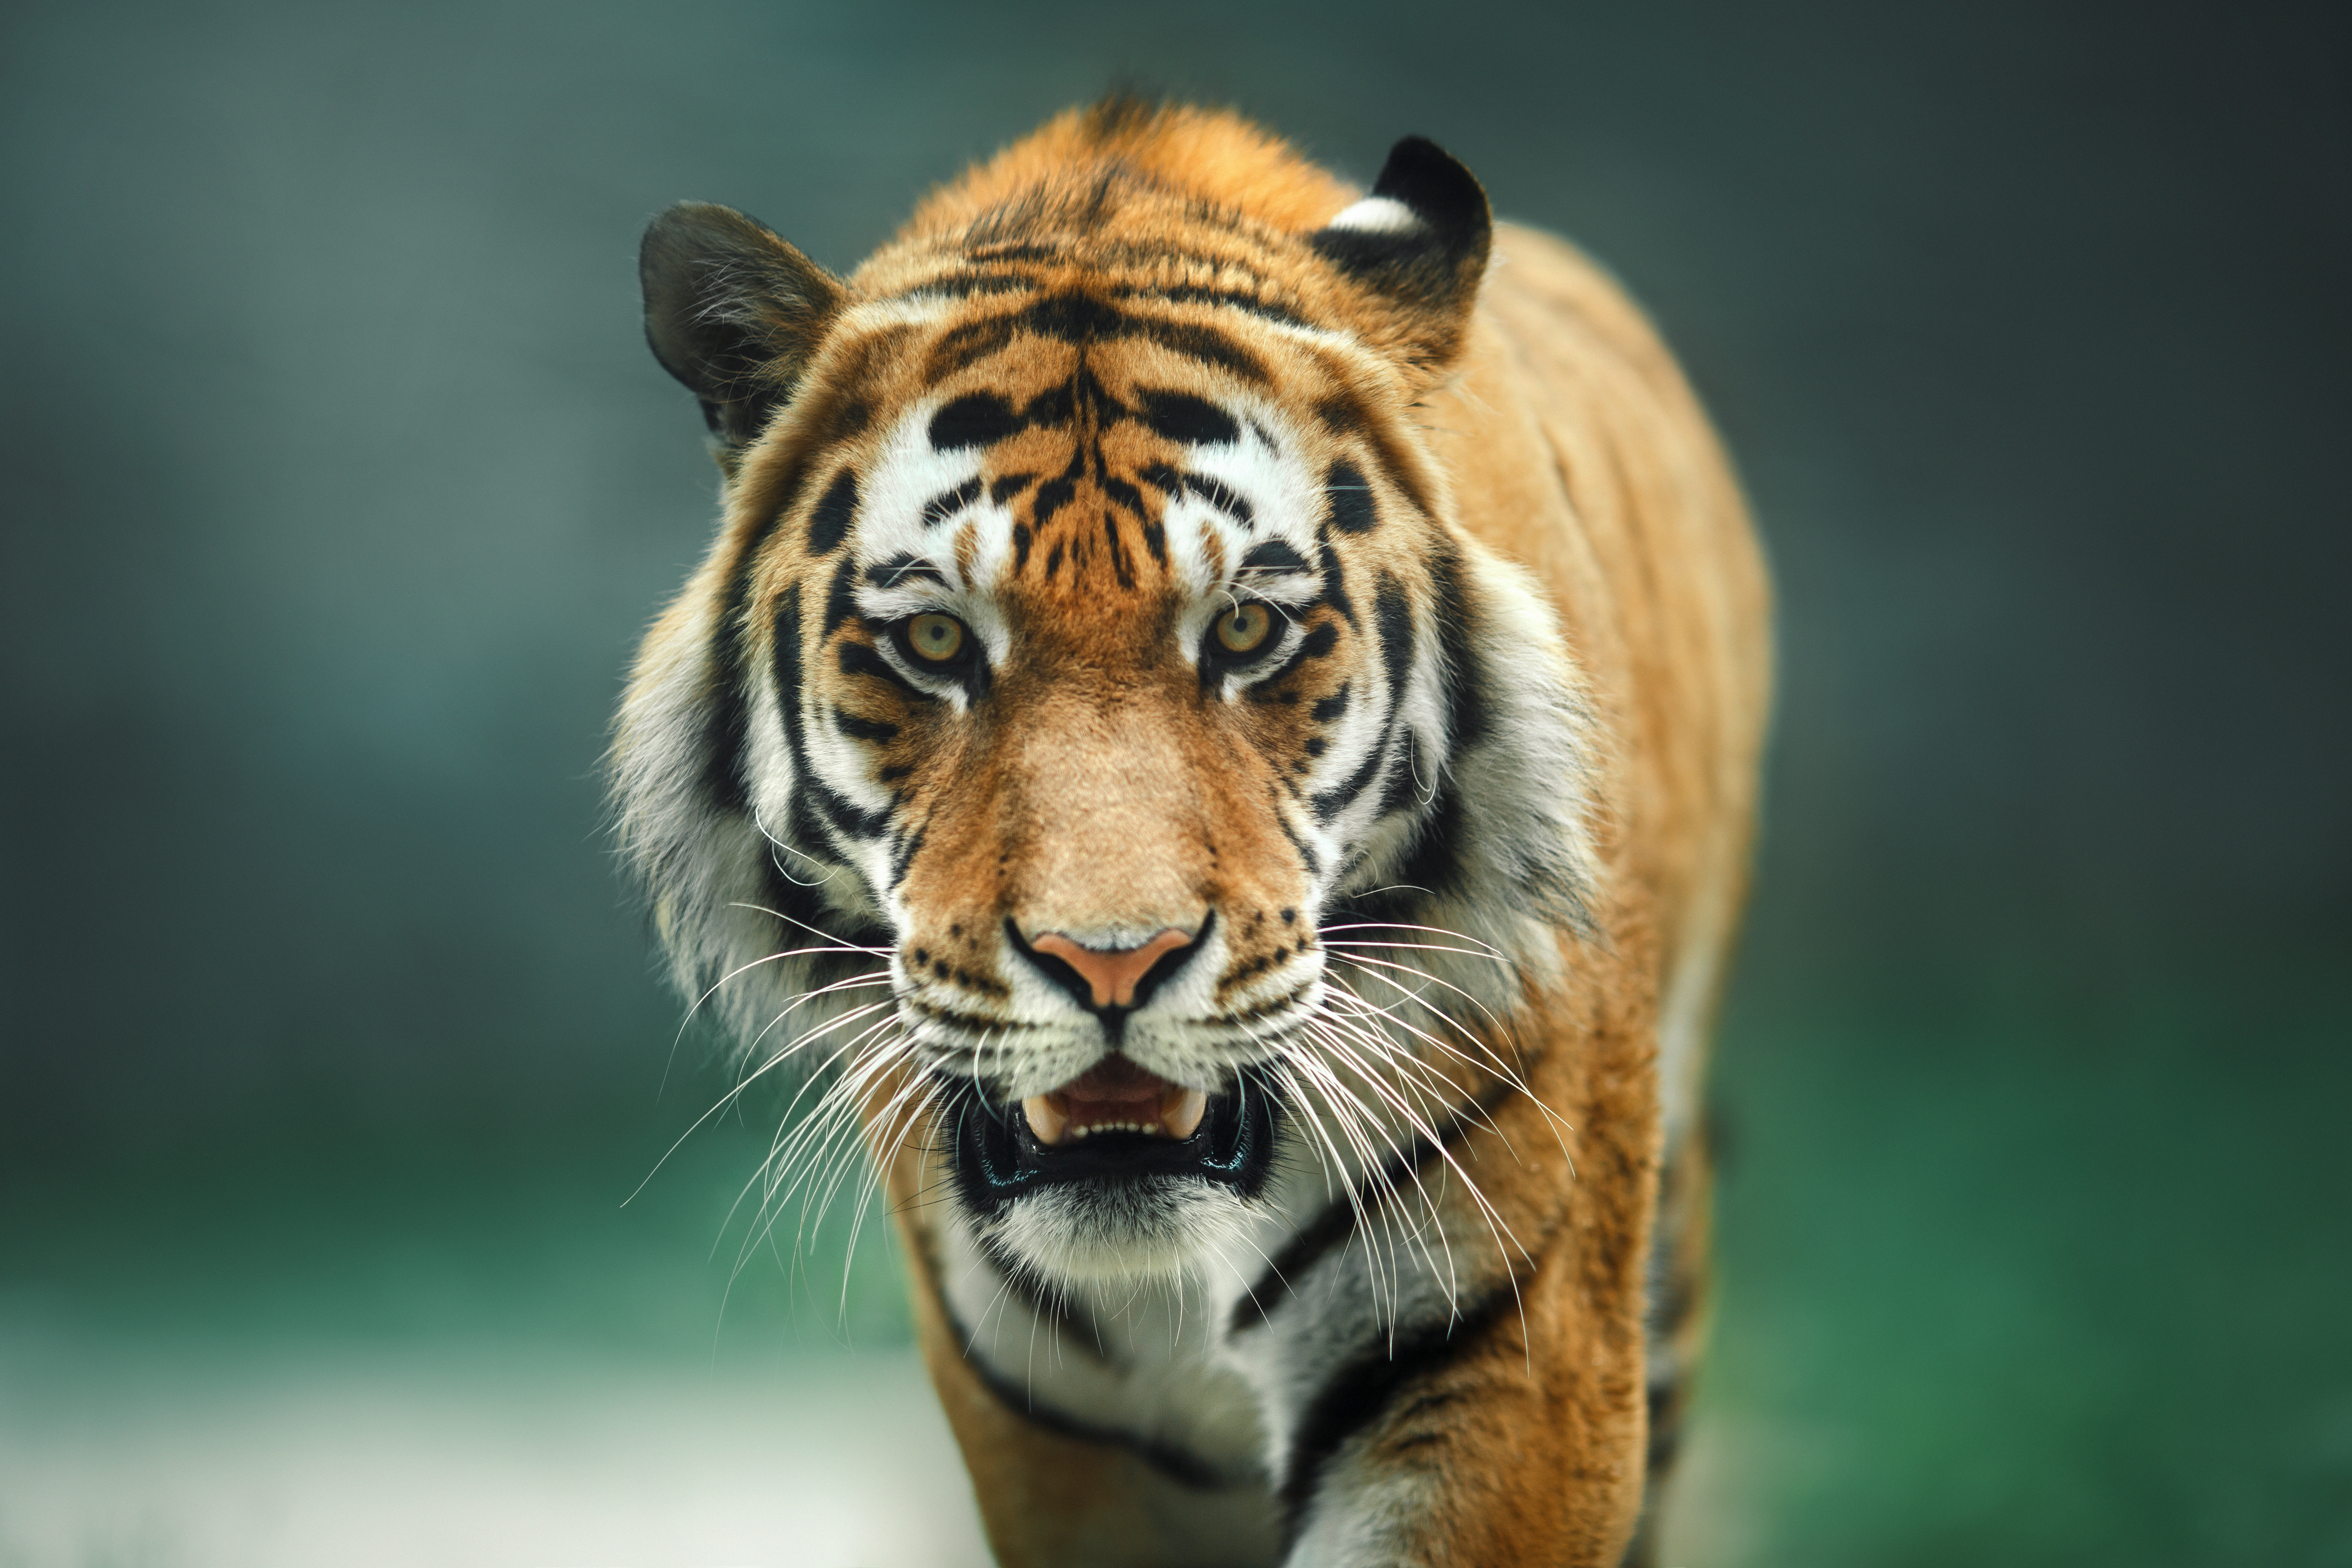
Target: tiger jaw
[[1115, 1097], [1114, 1173]]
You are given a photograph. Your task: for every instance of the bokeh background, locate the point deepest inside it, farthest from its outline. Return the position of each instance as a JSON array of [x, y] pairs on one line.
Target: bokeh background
[[338, 485]]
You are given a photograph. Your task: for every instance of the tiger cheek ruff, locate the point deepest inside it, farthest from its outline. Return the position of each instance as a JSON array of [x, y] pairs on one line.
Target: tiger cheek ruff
[[1221, 726]]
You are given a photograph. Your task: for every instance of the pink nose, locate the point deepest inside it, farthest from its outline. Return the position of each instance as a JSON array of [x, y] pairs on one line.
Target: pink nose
[[1112, 973]]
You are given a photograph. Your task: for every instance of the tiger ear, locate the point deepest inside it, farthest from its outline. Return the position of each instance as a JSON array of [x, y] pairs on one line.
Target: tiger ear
[[1418, 242], [732, 311]]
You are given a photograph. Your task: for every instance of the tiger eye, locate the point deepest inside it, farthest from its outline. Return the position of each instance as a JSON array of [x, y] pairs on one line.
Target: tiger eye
[[1245, 627], [936, 637]]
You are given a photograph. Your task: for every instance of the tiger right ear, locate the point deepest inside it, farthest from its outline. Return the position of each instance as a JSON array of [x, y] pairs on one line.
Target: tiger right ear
[[1419, 242], [732, 311]]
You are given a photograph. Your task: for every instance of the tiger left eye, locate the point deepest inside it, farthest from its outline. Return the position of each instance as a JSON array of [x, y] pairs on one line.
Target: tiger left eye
[[936, 637], [1245, 628]]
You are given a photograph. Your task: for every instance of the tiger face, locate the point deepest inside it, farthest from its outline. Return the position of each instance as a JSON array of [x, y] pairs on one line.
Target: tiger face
[[1087, 655]]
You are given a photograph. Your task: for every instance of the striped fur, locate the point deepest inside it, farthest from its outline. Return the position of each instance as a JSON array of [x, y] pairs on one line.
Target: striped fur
[[1461, 844]]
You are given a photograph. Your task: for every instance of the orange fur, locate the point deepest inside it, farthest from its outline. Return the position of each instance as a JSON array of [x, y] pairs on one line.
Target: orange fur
[[1549, 426]]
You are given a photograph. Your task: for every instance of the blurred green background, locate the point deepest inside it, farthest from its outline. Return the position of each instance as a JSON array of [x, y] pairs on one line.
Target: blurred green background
[[339, 485]]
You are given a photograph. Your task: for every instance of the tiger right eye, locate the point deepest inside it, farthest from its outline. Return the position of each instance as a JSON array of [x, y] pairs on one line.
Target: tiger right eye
[[1244, 628], [936, 637]]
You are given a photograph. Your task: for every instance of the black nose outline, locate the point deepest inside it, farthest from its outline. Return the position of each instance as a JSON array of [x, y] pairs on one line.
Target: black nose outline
[[1114, 1018]]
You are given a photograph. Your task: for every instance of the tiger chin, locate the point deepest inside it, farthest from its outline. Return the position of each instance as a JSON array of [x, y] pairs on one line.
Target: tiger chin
[[1218, 738]]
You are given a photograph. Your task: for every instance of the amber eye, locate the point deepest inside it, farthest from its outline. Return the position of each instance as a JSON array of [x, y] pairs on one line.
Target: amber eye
[[935, 637], [1245, 628]]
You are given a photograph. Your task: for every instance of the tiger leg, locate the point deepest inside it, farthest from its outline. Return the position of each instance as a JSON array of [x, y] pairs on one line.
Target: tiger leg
[[1515, 1439], [1677, 1323]]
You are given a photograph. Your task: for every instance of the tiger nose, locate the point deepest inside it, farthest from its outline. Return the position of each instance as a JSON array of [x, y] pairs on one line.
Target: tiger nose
[[1112, 977]]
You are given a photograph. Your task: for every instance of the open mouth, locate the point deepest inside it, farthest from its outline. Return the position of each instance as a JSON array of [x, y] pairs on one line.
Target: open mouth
[[1115, 1122]]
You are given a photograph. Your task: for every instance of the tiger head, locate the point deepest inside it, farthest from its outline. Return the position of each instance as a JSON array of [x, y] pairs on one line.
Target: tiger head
[[1088, 692]]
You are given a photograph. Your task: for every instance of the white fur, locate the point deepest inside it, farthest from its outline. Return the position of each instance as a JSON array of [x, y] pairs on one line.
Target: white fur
[[1377, 214]]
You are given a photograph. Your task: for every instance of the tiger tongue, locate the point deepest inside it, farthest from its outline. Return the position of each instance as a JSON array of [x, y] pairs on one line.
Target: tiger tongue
[[1115, 1094]]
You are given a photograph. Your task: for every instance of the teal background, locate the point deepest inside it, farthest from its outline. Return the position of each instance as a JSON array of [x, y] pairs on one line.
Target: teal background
[[339, 485]]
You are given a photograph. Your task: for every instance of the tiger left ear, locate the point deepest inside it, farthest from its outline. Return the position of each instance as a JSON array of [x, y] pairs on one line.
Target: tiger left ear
[[1419, 244], [734, 312]]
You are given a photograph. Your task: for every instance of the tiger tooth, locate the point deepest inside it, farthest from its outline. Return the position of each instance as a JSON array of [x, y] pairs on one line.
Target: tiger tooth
[[1181, 1111], [1046, 1120]]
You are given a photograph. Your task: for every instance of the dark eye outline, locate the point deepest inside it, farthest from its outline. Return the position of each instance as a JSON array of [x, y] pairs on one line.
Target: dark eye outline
[[1217, 657]]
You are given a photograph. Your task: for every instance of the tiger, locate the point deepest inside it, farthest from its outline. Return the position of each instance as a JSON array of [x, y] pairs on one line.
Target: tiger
[[1217, 743]]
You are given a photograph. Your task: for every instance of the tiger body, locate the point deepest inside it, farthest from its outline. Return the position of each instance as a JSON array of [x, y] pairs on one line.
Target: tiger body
[[1228, 726]]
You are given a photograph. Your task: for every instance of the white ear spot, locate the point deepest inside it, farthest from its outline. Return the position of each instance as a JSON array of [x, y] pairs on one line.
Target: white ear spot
[[1377, 214]]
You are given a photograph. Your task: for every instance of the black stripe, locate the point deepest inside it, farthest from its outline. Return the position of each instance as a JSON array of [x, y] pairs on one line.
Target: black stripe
[[728, 726], [1206, 345], [1342, 415], [841, 598], [1464, 677], [792, 901], [1332, 706], [1055, 494], [1272, 555], [858, 729], [845, 814], [1334, 580], [1404, 788], [1314, 644], [975, 419], [857, 658], [1306, 856], [1393, 619], [1288, 1267], [1117, 551], [903, 853], [1187, 1469], [1351, 498], [1182, 417], [941, 507], [829, 524], [1214, 492], [1329, 803], [1014, 250], [964, 285], [1120, 493], [1081, 319], [1356, 1396], [900, 568], [1225, 298]]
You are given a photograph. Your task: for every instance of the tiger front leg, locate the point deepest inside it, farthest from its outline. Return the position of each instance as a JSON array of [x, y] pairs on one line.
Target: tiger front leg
[[1517, 1439]]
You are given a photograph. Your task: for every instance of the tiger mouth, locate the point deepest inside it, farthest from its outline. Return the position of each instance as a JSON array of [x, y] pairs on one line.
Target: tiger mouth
[[1114, 1124]]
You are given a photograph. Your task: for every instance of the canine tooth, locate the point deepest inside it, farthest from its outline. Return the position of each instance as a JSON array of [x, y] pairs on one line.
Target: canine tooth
[[1181, 1111], [1046, 1120]]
